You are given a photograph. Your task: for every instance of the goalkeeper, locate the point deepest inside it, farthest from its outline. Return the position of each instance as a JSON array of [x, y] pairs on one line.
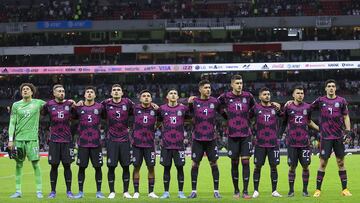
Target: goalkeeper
[[23, 134]]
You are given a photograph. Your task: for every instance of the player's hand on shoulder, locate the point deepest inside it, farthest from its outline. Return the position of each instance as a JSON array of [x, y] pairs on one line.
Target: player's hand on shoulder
[[71, 101], [80, 103], [277, 105], [288, 103], [191, 99], [155, 106]]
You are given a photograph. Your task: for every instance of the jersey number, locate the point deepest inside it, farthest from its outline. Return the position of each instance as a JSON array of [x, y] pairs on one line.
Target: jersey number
[[205, 112], [238, 106], [60, 114], [145, 119], [173, 120], [266, 117], [330, 110], [89, 118], [117, 114], [298, 119]]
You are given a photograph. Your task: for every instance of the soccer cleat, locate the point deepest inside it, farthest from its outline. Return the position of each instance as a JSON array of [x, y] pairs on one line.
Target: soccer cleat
[[111, 195], [39, 195], [246, 196], [181, 195], [255, 194], [69, 195], [317, 193], [291, 194], [127, 195], [217, 195], [136, 195], [16, 195], [52, 195], [79, 195], [153, 195], [236, 195], [346, 193], [100, 195], [276, 194], [166, 195], [305, 194], [193, 195]]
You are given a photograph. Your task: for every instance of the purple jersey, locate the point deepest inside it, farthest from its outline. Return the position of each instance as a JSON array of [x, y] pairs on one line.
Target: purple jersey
[[117, 117], [298, 118], [89, 125], [332, 112], [173, 126], [60, 116], [144, 126], [237, 109], [266, 125], [205, 118]]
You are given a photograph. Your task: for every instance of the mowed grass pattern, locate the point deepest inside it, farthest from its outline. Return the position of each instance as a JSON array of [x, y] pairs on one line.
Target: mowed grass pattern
[[331, 185]]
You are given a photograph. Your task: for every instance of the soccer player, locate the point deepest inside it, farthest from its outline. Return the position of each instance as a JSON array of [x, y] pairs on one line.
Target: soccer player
[[60, 140], [237, 104], [334, 116], [205, 111], [172, 115], [24, 125], [297, 119], [89, 143], [117, 111], [266, 145], [143, 141]]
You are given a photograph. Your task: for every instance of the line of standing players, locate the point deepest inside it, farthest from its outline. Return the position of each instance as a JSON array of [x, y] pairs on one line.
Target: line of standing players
[[245, 119]]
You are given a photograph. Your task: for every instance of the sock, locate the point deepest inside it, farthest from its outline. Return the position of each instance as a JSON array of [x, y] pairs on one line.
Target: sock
[[81, 178], [53, 176], [37, 171], [235, 174], [98, 178], [319, 179], [274, 178], [343, 178], [18, 175], [246, 174], [194, 176], [215, 174], [256, 177], [166, 178], [291, 177], [151, 182], [136, 184], [111, 178], [305, 177], [68, 176], [126, 178], [180, 177]]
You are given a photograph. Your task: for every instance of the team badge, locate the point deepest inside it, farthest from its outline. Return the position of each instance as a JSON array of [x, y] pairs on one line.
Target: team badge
[[273, 112], [244, 101], [124, 108], [337, 105], [96, 111], [212, 106], [305, 112], [179, 113], [152, 113], [67, 108]]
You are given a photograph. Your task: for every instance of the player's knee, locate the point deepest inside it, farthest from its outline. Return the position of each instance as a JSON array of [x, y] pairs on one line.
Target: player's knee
[[305, 167], [257, 168], [273, 167], [235, 161], [35, 164], [151, 169], [19, 164], [213, 163], [195, 164], [66, 166], [54, 166], [340, 163], [245, 162], [292, 168]]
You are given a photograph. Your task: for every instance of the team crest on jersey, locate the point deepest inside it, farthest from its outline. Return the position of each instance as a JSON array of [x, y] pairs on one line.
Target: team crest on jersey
[[244, 101], [273, 112], [67, 108], [337, 105], [96, 111], [212, 106], [53, 108], [152, 113], [179, 113], [124, 108], [305, 112]]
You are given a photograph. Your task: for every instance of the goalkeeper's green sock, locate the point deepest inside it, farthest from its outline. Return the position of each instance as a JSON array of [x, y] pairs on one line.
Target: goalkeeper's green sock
[[18, 175], [37, 171]]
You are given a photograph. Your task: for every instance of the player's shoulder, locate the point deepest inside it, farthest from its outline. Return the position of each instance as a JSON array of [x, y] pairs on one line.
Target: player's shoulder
[[247, 94], [342, 99], [162, 107]]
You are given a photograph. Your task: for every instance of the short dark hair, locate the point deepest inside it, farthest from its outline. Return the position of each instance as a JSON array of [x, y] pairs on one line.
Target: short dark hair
[[30, 85], [90, 88], [298, 87], [263, 89], [236, 77], [57, 86], [330, 81], [203, 82], [172, 89], [145, 91], [116, 85]]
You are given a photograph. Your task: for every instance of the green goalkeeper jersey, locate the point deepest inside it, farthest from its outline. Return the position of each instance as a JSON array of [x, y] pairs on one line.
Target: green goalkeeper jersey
[[24, 119]]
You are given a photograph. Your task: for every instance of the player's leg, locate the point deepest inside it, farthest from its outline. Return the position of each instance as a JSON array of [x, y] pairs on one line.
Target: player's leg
[[326, 147], [82, 161], [339, 150], [212, 154], [292, 162], [150, 156], [32, 151], [97, 162], [125, 161], [305, 160], [245, 153], [67, 157], [113, 152], [20, 157], [234, 154], [137, 161], [179, 160], [166, 161], [54, 161], [274, 160], [197, 152], [259, 160]]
